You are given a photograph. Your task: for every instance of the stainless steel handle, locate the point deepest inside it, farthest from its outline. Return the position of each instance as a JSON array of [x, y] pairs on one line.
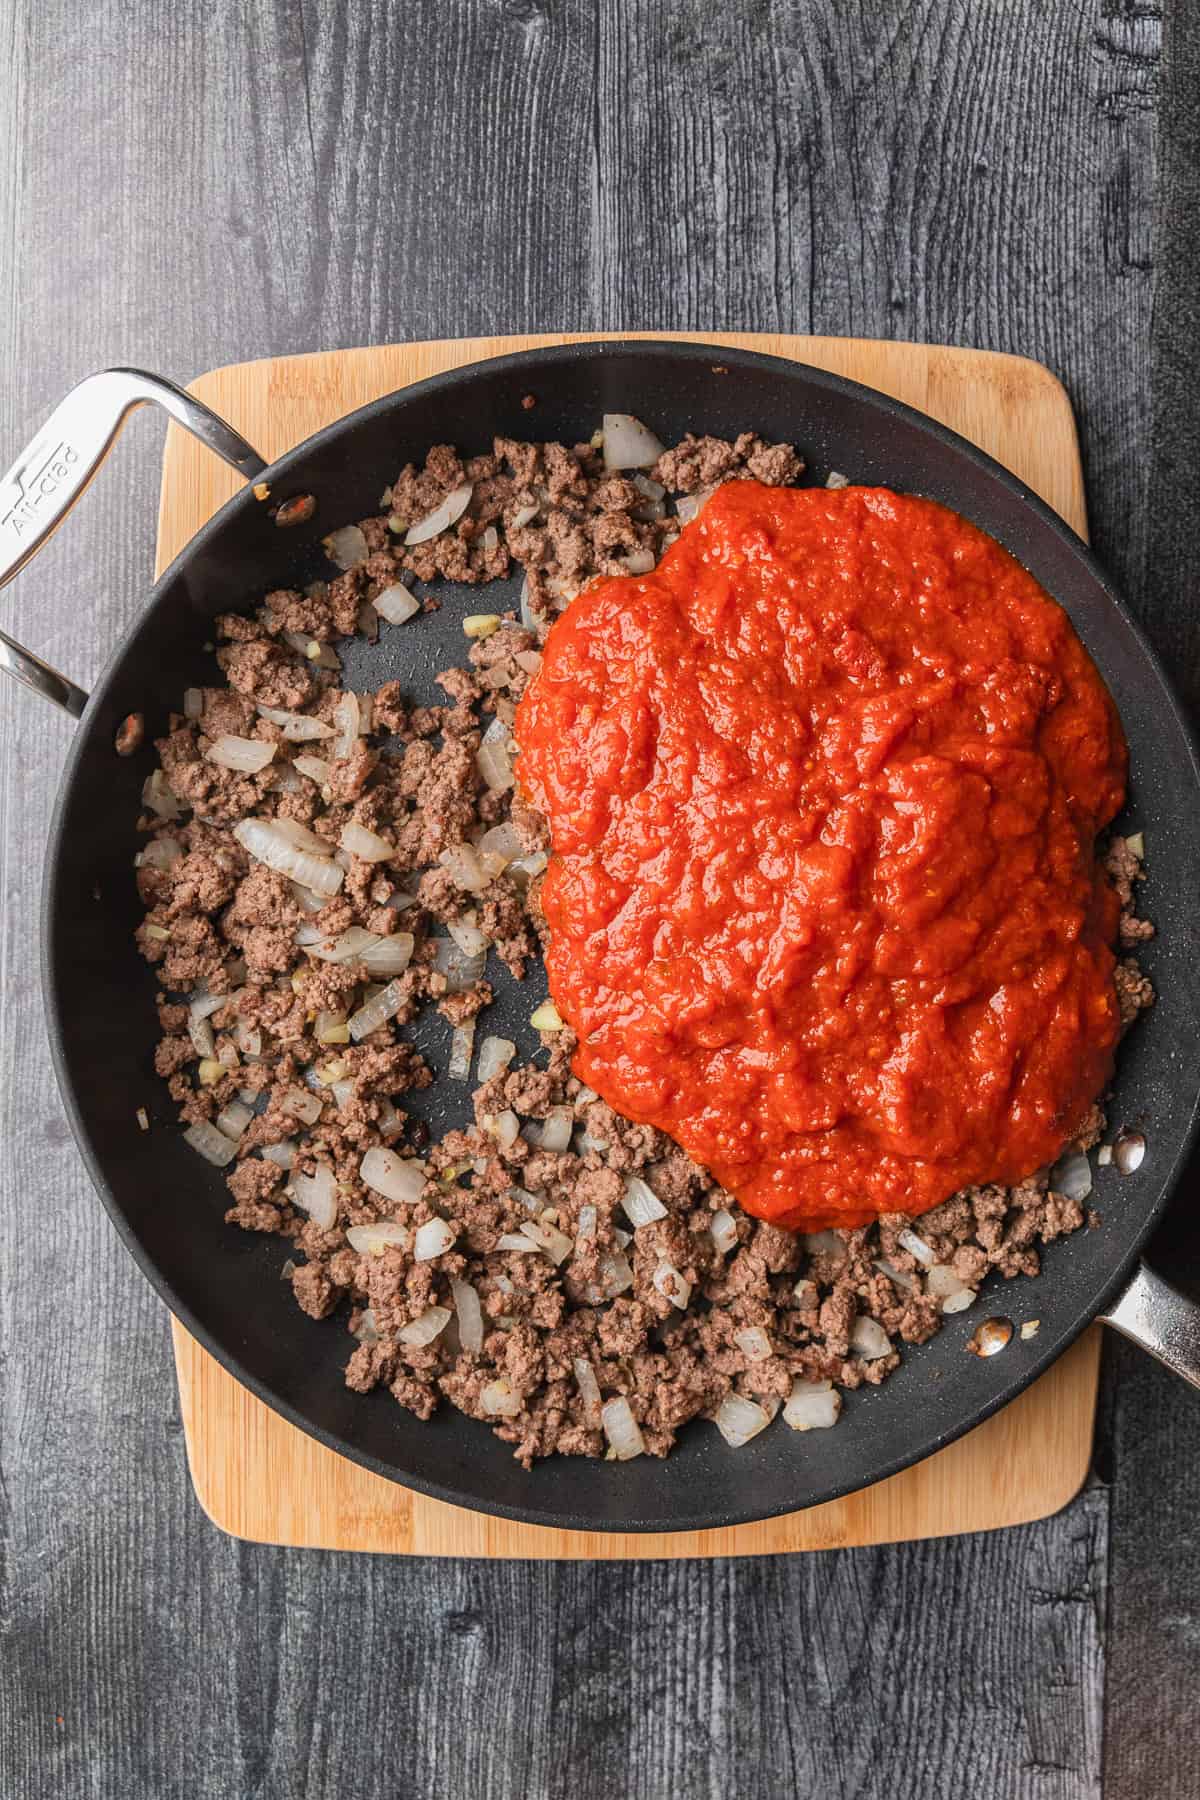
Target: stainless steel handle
[[52, 472], [1162, 1320]]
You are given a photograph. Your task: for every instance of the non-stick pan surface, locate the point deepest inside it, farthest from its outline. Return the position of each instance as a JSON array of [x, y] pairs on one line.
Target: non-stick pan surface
[[168, 1205]]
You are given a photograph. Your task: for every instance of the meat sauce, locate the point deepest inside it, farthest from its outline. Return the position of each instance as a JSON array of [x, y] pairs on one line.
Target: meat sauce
[[824, 903]]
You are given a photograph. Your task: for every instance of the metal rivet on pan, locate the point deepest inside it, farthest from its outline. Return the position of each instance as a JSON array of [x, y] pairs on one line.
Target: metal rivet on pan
[[1129, 1148], [991, 1337], [296, 511]]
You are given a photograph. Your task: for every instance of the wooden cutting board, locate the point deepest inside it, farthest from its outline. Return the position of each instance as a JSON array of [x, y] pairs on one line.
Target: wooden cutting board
[[256, 1476]]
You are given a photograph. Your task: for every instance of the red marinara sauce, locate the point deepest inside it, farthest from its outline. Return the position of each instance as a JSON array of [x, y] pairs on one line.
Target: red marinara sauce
[[824, 901]]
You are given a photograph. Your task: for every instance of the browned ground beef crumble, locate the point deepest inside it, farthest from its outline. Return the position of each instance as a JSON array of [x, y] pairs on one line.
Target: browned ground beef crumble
[[221, 923]]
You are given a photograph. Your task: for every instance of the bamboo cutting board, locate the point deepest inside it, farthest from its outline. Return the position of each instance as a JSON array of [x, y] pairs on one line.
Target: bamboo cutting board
[[259, 1478]]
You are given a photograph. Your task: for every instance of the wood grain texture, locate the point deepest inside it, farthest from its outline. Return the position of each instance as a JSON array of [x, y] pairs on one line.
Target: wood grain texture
[[191, 184], [259, 1477]]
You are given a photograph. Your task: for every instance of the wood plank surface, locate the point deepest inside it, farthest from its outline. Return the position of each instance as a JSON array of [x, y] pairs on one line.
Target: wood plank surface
[[187, 185], [257, 1476]]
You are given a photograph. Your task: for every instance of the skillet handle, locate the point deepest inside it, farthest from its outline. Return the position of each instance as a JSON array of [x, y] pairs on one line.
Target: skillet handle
[[1162, 1320], [52, 472]]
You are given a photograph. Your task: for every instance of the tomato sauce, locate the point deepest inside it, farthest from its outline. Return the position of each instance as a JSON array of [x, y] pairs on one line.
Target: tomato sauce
[[824, 903]]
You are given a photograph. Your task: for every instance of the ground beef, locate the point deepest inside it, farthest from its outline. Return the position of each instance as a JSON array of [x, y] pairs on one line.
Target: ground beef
[[674, 1314]]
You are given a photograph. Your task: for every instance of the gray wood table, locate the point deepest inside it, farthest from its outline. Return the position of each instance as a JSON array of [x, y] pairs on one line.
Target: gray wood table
[[188, 184]]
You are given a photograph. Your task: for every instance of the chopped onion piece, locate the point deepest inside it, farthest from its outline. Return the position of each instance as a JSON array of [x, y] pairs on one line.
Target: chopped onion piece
[[462, 1043], [690, 506], [642, 1205], [586, 1226], [949, 1288], [268, 843], [389, 956], [348, 946], [297, 728], [283, 1154], [724, 1231], [157, 795], [442, 517], [628, 444], [868, 1337], [503, 841], [433, 1238], [427, 1326], [317, 1194], [495, 1054], [193, 703], [516, 1240], [622, 1430], [812, 1405], [481, 625], [893, 1274], [500, 1400], [367, 844], [308, 647], [373, 1240], [396, 604], [376, 1012], [462, 865], [524, 869], [916, 1246], [959, 1302], [738, 1419], [247, 755], [212, 1144], [234, 1118], [348, 719], [303, 1105], [529, 660], [467, 936], [556, 1130], [1072, 1176], [557, 1245], [672, 1285], [824, 1243], [754, 1342], [639, 562], [589, 1387], [507, 1128], [201, 1034], [389, 1175], [461, 971], [615, 1273], [524, 515], [470, 1315], [546, 1017], [160, 853], [493, 759], [346, 546]]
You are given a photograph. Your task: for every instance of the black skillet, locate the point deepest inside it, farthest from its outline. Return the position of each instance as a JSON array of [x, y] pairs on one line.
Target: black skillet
[[167, 1204]]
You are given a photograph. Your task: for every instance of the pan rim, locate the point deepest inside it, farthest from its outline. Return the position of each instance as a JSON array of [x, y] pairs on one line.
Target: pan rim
[[683, 352]]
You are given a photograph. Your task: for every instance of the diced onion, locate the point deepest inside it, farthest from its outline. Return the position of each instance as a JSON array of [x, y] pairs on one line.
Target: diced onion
[[212, 1144], [193, 703], [348, 946], [495, 1054], [516, 1240], [373, 1240], [738, 1419], [690, 506], [442, 517], [462, 865], [1072, 1176], [467, 936], [158, 796], [427, 1326], [724, 1231], [268, 843], [524, 515], [302, 1105], [461, 971], [557, 1245], [507, 1128], [622, 1430], [958, 1302], [916, 1246], [640, 561], [524, 869], [348, 719], [308, 647], [824, 1243], [586, 1226], [160, 853], [389, 956], [234, 1118], [753, 1342], [949, 1288], [529, 660], [672, 1285], [376, 1012], [500, 1400], [462, 1043], [396, 604], [433, 1238], [493, 760], [615, 1273], [556, 1130], [390, 1175], [546, 1017], [503, 841], [346, 546], [367, 844], [812, 1405], [297, 728], [470, 1315], [317, 1194], [247, 755], [868, 1337], [642, 1205], [628, 444], [282, 1154], [589, 1387]]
